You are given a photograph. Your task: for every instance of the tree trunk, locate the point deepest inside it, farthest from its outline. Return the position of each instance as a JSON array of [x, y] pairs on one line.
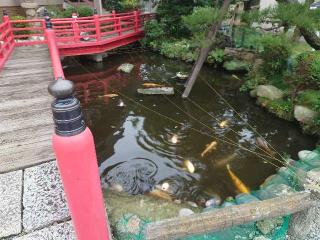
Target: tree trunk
[[205, 49], [311, 38]]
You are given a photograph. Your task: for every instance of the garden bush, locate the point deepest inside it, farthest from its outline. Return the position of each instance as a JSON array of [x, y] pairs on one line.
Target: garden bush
[[81, 10], [276, 51], [310, 98], [20, 25], [307, 68]]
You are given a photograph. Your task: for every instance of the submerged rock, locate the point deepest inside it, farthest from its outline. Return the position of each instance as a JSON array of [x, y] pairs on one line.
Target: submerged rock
[[185, 212], [274, 190], [304, 114], [245, 198], [126, 67], [236, 66], [269, 92], [145, 207], [156, 91]]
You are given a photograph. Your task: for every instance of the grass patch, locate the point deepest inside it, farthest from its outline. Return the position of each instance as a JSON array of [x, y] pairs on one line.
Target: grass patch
[[310, 98]]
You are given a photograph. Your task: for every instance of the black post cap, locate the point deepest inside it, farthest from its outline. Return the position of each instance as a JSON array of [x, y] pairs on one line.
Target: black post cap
[[66, 109], [48, 22], [5, 12], [45, 12], [61, 88]]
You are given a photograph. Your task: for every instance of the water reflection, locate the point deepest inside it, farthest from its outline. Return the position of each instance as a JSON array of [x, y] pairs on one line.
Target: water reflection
[[139, 149]]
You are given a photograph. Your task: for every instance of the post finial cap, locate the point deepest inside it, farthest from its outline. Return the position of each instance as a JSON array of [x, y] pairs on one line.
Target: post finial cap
[[61, 88]]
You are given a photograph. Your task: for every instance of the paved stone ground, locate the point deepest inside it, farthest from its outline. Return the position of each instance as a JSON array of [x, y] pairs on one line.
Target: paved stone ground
[[33, 205]]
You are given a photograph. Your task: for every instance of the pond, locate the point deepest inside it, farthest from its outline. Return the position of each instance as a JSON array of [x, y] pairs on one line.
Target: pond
[[143, 141]]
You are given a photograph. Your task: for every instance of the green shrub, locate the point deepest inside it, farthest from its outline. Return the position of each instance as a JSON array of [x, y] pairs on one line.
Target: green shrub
[[171, 12], [307, 68], [310, 98], [216, 57], [129, 4], [179, 50], [154, 34], [200, 19], [282, 108], [20, 25], [276, 51], [81, 10]]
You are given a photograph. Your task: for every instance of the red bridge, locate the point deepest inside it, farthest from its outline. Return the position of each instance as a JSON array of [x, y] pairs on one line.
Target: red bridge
[[74, 36]]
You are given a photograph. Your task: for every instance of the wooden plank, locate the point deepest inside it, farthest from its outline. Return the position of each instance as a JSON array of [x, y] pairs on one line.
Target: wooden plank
[[26, 124], [229, 216]]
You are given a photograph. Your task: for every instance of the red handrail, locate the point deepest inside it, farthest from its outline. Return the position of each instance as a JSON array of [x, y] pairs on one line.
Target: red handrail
[[69, 32], [7, 42]]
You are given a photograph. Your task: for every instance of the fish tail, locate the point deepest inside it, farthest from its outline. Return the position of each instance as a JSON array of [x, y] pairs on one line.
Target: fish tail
[[228, 167]]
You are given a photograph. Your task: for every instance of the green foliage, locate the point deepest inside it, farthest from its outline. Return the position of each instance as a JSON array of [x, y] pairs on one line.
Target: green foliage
[[307, 69], [154, 34], [81, 10], [276, 51], [179, 50], [310, 98], [281, 108], [171, 11], [296, 14], [216, 57], [129, 4], [20, 25], [200, 19], [113, 5]]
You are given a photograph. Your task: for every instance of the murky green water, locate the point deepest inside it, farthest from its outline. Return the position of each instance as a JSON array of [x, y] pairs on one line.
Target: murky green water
[[138, 148]]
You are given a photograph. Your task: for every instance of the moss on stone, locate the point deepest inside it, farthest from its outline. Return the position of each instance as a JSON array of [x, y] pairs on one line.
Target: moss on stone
[[281, 108], [145, 207]]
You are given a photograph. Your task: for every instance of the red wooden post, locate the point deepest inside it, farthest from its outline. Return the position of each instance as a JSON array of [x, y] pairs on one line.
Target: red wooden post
[[74, 147], [97, 25], [114, 20], [136, 21], [75, 27], [6, 19]]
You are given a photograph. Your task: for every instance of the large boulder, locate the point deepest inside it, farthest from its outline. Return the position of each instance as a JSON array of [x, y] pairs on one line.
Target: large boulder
[[269, 92], [304, 114]]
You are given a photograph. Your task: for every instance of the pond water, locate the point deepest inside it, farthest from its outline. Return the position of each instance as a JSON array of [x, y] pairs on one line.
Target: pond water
[[143, 141]]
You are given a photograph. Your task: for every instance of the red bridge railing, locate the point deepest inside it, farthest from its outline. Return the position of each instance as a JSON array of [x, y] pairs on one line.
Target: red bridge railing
[[74, 36]]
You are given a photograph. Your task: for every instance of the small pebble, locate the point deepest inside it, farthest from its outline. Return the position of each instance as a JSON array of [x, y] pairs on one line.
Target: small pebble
[[192, 204], [185, 212]]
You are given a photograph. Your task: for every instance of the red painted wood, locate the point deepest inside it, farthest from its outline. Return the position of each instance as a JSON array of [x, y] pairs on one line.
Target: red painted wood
[[104, 32]]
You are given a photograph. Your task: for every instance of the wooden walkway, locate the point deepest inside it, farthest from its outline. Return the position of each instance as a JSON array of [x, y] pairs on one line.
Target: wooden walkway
[[26, 124]]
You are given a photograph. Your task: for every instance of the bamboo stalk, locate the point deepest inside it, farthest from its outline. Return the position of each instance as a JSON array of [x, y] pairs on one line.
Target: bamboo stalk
[[229, 216]]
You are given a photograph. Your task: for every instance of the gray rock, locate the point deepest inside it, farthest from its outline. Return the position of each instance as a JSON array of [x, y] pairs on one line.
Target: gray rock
[[267, 226], [10, 203], [156, 91], [306, 155], [185, 212], [253, 93], [304, 114], [126, 67], [269, 92], [62, 231], [43, 200]]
